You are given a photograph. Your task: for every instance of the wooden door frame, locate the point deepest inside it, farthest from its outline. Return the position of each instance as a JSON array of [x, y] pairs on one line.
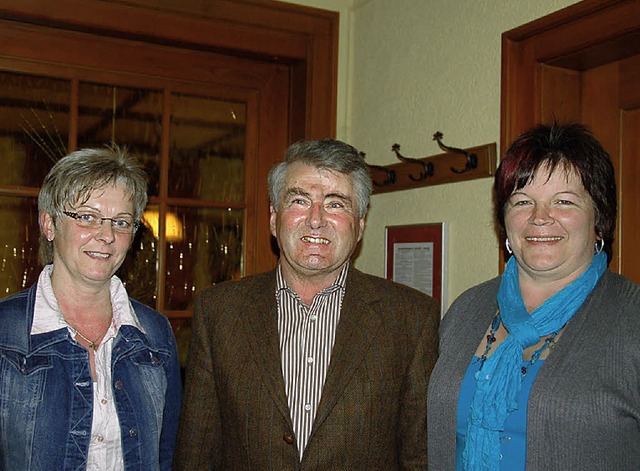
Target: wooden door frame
[[303, 40], [258, 29], [576, 38]]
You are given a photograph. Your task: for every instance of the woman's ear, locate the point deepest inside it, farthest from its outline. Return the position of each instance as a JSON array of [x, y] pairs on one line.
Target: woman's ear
[[47, 225]]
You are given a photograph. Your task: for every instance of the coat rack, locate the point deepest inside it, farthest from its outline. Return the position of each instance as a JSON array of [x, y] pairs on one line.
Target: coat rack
[[453, 166]]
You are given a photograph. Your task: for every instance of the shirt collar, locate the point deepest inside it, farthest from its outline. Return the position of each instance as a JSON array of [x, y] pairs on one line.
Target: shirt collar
[[47, 316], [339, 283]]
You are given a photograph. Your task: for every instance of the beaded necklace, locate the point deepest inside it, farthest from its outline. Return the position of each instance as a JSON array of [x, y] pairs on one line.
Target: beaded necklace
[[491, 338]]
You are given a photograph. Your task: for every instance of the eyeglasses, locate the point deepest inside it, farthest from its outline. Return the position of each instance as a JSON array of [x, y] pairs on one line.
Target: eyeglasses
[[91, 220]]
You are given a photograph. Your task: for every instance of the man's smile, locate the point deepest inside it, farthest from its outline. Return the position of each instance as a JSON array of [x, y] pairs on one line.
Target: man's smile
[[315, 240]]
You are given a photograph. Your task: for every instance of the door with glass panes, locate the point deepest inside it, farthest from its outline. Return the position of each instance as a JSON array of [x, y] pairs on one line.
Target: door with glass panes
[[198, 140]]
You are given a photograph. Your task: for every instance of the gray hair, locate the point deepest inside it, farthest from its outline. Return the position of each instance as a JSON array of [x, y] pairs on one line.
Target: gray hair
[[76, 176], [328, 154]]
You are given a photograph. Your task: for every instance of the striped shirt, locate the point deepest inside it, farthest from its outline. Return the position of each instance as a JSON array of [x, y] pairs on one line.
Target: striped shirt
[[307, 334]]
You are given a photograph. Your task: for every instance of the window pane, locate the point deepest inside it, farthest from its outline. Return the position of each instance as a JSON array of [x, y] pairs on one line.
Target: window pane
[[19, 235], [34, 122], [207, 149], [130, 117], [139, 270], [204, 246]]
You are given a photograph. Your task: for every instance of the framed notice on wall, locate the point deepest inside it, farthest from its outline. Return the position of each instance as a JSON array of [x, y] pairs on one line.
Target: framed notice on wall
[[415, 256]]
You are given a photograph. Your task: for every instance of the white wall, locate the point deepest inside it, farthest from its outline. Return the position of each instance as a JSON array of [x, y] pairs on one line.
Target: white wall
[[409, 68]]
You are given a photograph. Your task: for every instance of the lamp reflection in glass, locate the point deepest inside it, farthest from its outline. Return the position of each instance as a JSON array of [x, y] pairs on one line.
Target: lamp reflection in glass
[[173, 227]]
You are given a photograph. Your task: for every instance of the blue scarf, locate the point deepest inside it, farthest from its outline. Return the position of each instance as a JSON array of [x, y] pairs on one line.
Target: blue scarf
[[498, 382]]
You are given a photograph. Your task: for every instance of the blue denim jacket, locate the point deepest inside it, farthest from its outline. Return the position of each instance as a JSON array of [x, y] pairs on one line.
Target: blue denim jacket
[[46, 395]]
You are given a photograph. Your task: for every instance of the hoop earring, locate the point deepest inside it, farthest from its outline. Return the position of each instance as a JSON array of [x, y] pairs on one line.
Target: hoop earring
[[599, 247], [508, 246]]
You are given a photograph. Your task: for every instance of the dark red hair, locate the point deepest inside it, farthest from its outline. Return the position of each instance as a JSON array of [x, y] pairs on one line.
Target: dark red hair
[[571, 147]]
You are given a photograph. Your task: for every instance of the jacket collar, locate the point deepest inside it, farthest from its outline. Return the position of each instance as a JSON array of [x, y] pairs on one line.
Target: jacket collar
[[18, 310], [356, 332], [263, 338]]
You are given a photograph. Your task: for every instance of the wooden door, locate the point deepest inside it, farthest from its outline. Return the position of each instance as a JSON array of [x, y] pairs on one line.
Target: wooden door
[[174, 112], [278, 61], [284, 55], [583, 64]]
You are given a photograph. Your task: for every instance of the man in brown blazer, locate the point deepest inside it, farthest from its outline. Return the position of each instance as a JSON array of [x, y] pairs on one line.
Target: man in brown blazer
[[314, 365]]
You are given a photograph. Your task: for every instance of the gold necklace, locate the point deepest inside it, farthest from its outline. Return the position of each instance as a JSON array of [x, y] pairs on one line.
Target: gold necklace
[[94, 344]]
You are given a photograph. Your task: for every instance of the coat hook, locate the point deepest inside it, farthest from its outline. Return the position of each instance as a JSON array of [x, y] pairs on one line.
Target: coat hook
[[390, 175], [472, 159], [426, 168]]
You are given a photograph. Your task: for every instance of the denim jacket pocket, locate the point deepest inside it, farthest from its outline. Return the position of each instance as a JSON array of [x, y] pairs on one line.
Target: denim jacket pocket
[[21, 379], [150, 366], [24, 364], [145, 357]]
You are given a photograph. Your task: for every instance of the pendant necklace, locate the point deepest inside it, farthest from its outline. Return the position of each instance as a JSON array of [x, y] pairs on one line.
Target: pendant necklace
[[94, 344]]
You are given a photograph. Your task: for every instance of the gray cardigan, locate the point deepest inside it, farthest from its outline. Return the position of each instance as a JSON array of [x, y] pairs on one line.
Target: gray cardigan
[[584, 408]]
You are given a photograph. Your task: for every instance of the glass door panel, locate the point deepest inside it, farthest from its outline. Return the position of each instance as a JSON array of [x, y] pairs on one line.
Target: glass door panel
[[34, 123], [202, 203], [207, 148], [203, 247], [19, 236], [130, 117], [139, 270]]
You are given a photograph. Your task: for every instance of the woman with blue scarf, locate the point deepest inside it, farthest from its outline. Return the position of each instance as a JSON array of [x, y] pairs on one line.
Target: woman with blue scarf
[[540, 368]]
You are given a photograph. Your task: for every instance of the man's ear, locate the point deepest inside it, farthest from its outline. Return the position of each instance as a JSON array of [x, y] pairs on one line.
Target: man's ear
[[272, 220], [361, 228]]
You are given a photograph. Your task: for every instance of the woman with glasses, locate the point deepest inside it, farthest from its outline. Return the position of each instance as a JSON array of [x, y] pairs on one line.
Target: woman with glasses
[[89, 378]]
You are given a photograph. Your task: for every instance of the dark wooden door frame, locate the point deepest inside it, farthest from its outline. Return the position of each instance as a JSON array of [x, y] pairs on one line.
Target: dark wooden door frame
[[578, 37], [259, 29]]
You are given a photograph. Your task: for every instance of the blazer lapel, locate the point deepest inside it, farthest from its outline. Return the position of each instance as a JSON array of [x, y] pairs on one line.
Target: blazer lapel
[[356, 331], [261, 325]]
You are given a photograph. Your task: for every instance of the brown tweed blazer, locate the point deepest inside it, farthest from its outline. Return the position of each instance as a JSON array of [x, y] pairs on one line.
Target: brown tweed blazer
[[372, 414]]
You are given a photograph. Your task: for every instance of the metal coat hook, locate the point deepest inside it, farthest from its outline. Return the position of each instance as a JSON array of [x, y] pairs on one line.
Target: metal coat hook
[[472, 159], [426, 168], [390, 175]]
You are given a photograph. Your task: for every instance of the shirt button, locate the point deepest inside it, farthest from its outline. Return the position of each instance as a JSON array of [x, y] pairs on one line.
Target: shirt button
[[307, 407], [103, 401], [288, 439], [118, 384], [313, 318], [310, 360], [100, 438]]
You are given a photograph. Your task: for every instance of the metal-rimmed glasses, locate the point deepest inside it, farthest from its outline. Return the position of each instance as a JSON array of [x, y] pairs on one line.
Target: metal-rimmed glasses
[[91, 220]]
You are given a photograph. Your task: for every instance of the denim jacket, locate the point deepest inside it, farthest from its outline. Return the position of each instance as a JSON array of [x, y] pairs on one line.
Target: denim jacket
[[46, 392]]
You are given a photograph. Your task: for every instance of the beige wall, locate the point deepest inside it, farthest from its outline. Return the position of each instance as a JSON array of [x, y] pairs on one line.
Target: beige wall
[[409, 68]]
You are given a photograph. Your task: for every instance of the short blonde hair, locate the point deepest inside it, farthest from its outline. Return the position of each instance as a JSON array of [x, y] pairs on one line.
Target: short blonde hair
[[76, 176]]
